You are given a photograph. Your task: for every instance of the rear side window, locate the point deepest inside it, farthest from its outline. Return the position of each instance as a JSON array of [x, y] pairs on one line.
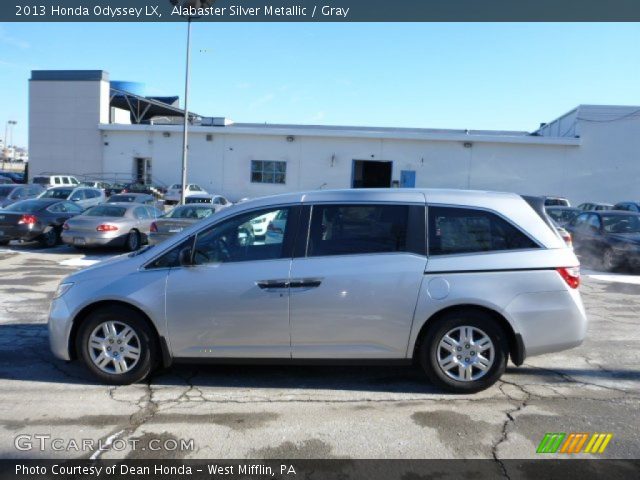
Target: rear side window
[[360, 229], [464, 230]]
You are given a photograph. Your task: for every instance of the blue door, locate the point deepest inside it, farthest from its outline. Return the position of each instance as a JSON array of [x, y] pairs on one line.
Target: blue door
[[408, 179]]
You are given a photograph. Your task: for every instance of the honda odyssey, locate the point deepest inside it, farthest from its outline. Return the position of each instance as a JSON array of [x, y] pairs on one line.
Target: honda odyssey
[[455, 281]]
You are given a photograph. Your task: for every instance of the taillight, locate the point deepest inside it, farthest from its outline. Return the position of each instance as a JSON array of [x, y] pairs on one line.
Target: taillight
[[567, 239], [105, 227], [28, 220], [65, 226], [153, 228], [571, 275]]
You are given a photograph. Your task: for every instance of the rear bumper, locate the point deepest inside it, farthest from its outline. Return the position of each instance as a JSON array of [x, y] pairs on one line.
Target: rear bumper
[[89, 239], [549, 321], [156, 238], [19, 232]]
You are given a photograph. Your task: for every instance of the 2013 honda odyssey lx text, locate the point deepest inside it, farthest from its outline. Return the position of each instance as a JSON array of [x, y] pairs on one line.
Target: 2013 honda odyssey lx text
[[456, 281]]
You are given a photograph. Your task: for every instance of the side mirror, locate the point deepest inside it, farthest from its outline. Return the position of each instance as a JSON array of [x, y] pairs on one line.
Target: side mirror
[[184, 257]]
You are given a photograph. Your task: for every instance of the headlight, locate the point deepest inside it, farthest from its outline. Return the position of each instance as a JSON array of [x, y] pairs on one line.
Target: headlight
[[62, 289]]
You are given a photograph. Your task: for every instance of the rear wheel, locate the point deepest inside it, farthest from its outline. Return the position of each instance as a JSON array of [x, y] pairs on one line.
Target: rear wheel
[[464, 351], [132, 242], [49, 237], [117, 345]]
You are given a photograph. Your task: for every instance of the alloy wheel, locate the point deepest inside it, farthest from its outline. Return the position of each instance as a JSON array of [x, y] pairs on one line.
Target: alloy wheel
[[465, 353], [114, 347]]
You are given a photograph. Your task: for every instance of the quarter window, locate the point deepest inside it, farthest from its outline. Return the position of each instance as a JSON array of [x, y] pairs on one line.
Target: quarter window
[[263, 171], [462, 230], [237, 240], [358, 229]]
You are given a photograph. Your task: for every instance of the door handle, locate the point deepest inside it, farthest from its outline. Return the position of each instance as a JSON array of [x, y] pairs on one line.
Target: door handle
[[271, 284], [305, 283]]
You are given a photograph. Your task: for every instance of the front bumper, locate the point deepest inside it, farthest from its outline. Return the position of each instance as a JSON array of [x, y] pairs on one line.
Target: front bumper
[[59, 325]]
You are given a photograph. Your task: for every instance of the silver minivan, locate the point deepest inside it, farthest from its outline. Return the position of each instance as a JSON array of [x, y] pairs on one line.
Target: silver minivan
[[455, 281]]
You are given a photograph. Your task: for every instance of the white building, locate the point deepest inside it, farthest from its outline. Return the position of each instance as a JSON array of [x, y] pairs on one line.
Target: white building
[[80, 123]]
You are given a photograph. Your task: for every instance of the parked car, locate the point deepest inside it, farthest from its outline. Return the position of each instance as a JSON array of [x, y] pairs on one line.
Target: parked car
[[556, 202], [590, 206], [562, 215], [39, 219], [627, 206], [260, 224], [155, 190], [13, 193], [16, 177], [97, 184], [132, 198], [177, 220], [111, 225], [207, 198], [83, 196], [175, 191], [50, 181], [114, 188], [5, 180], [351, 280], [610, 236]]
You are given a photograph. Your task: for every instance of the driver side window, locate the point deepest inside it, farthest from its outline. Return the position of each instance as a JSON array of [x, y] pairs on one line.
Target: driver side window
[[252, 236]]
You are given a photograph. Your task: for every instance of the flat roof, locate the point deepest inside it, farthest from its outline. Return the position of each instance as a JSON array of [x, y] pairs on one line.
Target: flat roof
[[69, 75]]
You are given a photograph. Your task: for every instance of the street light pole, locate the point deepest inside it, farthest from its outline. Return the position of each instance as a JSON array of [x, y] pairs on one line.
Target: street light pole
[[5, 151], [185, 144]]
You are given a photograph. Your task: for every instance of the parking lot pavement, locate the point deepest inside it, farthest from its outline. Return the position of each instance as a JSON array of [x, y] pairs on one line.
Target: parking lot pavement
[[310, 412]]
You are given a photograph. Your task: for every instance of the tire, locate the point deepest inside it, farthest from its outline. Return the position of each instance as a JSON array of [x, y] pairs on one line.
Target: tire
[[486, 366], [132, 242], [108, 366], [49, 238], [609, 260]]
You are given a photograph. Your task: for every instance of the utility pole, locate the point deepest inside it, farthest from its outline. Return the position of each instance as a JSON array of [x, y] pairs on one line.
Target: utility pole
[[7, 126], [188, 4]]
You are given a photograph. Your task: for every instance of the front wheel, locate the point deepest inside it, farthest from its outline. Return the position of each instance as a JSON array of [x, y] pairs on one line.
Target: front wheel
[[464, 352], [117, 345]]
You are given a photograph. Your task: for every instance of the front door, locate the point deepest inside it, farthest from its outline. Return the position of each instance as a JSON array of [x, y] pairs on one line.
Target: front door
[[354, 293], [233, 302]]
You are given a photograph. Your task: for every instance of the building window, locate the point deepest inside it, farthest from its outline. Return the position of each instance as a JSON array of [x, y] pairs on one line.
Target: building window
[[265, 171]]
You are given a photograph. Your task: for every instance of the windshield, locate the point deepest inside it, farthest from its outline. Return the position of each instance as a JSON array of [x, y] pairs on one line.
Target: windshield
[[62, 193], [621, 223], [105, 211], [190, 212], [5, 191], [26, 206]]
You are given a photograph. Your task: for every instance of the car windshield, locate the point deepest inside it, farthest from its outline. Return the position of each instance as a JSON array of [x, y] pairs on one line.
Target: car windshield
[[123, 198], [25, 206], [105, 211], [190, 212], [5, 191], [62, 193], [621, 223]]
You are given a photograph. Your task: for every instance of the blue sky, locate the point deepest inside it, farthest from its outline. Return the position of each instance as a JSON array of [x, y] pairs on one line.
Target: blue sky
[[477, 76]]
